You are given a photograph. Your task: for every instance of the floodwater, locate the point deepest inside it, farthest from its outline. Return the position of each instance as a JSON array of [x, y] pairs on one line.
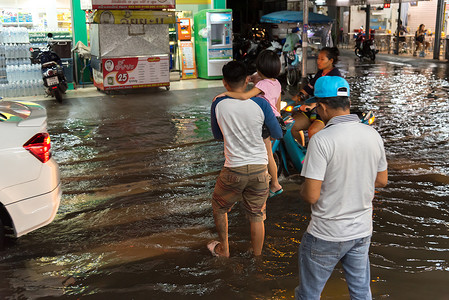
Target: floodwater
[[138, 172]]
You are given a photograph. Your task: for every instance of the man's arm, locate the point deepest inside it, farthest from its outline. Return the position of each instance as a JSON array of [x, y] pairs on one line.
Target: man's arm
[[381, 179], [216, 131], [245, 95], [271, 122], [311, 190]]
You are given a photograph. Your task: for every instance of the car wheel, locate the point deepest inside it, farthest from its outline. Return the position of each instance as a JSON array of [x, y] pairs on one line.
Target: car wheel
[[2, 235]]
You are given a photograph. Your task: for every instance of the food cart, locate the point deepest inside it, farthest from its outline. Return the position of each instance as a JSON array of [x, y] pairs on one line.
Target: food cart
[[318, 32], [130, 43]]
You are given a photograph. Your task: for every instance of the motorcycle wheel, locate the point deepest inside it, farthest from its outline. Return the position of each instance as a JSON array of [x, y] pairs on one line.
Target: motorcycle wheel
[[292, 76], [278, 161], [372, 55], [58, 95], [358, 52]]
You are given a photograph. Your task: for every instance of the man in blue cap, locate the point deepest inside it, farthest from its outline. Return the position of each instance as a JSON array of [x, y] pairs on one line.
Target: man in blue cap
[[344, 163]]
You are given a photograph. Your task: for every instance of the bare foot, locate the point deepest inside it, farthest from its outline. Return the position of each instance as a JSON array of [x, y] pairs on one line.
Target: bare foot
[[220, 251], [216, 249]]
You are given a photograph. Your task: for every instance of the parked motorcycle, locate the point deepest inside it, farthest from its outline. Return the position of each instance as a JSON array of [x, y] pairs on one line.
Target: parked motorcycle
[[288, 154], [247, 50], [293, 66], [52, 71], [365, 47]]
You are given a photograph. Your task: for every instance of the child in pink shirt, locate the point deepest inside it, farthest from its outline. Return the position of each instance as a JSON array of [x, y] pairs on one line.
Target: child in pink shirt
[[268, 87]]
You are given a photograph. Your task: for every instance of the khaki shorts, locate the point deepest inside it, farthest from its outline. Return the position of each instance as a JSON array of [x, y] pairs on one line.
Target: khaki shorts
[[249, 184]]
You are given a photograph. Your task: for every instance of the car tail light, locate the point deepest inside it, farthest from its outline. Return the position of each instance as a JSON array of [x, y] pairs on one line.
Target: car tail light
[[39, 146]]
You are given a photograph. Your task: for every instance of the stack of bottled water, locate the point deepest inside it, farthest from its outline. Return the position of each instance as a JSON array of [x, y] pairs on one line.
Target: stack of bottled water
[[18, 77], [14, 35]]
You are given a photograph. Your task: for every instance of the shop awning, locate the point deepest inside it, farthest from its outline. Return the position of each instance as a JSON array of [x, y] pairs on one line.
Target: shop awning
[[289, 16]]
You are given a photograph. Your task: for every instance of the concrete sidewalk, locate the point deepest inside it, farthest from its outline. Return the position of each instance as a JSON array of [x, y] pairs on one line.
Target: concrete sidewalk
[[91, 91], [403, 57]]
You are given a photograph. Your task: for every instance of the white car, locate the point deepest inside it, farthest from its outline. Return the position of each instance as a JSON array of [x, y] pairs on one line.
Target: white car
[[30, 188]]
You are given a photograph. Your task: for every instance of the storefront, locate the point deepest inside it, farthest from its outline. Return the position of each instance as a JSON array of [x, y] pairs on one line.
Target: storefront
[[26, 24], [32, 14]]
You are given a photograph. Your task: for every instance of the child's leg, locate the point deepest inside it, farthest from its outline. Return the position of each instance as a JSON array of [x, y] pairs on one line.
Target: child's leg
[[272, 168]]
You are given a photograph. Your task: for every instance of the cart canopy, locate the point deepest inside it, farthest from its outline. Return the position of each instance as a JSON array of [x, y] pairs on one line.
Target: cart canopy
[[289, 16]]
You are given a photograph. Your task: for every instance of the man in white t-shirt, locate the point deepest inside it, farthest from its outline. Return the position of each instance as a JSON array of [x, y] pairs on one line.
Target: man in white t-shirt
[[344, 163], [244, 176]]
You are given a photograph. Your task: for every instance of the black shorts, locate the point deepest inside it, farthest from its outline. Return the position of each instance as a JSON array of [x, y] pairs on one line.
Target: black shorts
[[266, 132]]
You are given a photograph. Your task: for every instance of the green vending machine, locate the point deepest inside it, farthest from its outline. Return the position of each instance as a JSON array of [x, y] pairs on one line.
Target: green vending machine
[[213, 41]]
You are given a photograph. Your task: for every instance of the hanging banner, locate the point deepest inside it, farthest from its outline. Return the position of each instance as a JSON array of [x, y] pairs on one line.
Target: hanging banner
[[134, 72], [133, 17], [188, 60], [127, 4]]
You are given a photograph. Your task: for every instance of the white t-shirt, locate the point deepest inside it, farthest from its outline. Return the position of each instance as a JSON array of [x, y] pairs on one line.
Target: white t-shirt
[[239, 124], [346, 156]]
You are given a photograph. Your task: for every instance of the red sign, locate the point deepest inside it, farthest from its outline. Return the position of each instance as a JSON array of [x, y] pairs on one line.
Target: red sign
[[133, 72], [122, 77]]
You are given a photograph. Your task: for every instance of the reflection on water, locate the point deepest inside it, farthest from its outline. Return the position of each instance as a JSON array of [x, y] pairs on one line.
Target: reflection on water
[[138, 175]]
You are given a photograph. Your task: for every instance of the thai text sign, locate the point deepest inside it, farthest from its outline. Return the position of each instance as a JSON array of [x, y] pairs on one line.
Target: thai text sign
[[133, 17], [127, 4]]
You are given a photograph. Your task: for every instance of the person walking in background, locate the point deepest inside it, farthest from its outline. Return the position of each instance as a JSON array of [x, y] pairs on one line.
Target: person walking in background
[[344, 163], [268, 87], [244, 175], [420, 40], [309, 119]]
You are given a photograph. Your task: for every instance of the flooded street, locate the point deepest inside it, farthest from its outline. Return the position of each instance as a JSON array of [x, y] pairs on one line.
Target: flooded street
[[138, 173]]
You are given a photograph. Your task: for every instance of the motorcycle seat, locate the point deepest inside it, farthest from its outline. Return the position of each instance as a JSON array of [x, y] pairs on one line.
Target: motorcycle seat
[[49, 64]]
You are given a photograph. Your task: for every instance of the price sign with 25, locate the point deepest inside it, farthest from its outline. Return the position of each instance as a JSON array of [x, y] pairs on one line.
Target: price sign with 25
[[122, 77]]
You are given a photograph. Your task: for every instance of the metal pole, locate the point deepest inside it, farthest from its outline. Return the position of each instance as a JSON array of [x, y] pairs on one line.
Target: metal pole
[[367, 21], [438, 28], [397, 29], [305, 27]]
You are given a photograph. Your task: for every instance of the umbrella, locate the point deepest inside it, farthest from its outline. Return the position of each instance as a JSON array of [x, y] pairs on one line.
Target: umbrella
[[289, 16]]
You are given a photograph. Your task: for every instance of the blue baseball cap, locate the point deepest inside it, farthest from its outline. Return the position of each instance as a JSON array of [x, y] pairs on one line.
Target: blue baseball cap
[[329, 86]]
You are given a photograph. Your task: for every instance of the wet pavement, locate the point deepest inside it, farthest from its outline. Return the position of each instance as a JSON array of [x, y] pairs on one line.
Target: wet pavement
[[138, 171]]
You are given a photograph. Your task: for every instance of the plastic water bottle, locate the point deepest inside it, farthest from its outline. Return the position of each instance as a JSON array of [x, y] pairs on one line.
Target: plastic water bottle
[[8, 73]]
